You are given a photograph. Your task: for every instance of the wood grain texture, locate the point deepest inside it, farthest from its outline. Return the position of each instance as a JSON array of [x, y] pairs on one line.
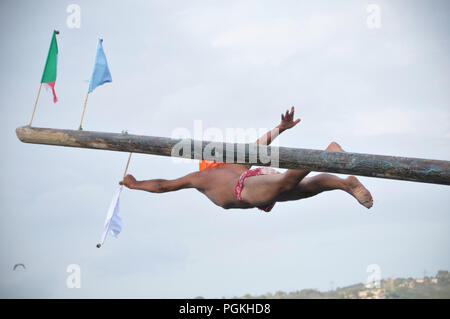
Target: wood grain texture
[[392, 167]]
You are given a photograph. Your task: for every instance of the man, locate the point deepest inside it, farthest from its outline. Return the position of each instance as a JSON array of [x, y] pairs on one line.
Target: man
[[239, 186]]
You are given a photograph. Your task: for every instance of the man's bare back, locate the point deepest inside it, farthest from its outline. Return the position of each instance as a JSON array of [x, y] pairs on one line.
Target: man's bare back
[[237, 186]]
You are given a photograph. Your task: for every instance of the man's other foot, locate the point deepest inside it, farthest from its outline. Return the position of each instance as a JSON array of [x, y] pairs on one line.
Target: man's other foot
[[357, 190], [334, 147]]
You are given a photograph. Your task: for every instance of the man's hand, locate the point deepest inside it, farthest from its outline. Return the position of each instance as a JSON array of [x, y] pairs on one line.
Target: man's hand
[[129, 181], [287, 120]]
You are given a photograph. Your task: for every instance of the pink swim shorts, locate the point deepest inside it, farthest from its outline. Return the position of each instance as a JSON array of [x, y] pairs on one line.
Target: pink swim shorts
[[253, 172]]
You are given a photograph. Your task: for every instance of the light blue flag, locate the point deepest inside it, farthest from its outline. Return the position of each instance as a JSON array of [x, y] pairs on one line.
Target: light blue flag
[[101, 73]]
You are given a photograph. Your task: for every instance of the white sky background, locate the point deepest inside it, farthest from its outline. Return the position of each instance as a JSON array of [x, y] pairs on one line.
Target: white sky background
[[230, 64]]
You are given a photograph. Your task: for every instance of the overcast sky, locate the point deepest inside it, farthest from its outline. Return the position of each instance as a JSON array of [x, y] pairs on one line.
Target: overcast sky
[[230, 64]]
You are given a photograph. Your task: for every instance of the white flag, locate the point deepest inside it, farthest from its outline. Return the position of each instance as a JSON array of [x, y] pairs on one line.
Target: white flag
[[113, 223]]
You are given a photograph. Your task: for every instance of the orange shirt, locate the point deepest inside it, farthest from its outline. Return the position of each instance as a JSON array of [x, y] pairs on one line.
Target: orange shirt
[[205, 164]]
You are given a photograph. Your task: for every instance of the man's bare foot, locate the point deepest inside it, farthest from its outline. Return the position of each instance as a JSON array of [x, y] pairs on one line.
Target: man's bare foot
[[357, 190], [334, 147]]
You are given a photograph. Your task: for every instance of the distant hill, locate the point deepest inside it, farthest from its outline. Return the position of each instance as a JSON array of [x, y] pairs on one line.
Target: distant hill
[[437, 287]]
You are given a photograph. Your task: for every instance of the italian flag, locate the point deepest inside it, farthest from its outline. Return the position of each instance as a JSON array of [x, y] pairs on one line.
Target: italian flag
[[49, 75]]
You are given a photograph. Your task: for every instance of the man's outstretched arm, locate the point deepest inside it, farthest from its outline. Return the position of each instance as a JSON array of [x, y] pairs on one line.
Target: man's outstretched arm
[[159, 185], [287, 122]]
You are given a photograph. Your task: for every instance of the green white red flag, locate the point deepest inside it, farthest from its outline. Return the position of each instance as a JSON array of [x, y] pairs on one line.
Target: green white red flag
[[49, 75]]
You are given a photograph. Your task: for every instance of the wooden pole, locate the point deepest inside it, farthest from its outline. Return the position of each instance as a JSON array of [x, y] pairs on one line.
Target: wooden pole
[[35, 104], [392, 167], [80, 128]]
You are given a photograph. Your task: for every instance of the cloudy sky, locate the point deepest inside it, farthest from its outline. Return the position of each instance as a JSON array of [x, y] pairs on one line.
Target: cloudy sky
[[230, 64]]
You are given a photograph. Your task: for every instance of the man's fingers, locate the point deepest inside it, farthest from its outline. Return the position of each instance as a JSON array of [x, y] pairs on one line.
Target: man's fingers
[[289, 116]]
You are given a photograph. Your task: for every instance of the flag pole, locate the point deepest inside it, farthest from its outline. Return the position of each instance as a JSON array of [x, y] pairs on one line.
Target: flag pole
[[80, 128], [126, 167], [35, 104]]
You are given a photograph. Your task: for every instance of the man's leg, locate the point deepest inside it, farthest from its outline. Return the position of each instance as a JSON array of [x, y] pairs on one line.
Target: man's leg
[[326, 182], [265, 189]]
